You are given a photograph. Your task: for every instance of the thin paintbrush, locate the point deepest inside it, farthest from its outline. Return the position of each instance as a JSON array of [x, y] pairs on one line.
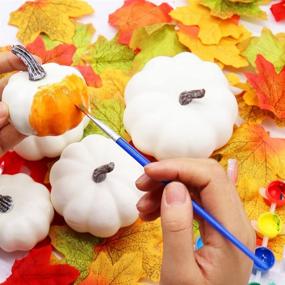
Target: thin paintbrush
[[259, 263]]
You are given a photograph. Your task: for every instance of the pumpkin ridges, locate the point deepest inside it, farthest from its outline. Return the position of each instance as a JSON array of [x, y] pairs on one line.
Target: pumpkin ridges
[[53, 111]]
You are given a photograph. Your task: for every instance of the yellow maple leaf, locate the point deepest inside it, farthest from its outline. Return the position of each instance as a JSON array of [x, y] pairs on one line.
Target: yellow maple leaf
[[261, 158], [225, 52], [212, 29], [51, 17], [250, 114], [113, 84], [127, 270], [277, 245], [144, 237]]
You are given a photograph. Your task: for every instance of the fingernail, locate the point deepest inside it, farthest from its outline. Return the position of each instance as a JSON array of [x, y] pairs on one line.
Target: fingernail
[[175, 194], [142, 179], [152, 165]]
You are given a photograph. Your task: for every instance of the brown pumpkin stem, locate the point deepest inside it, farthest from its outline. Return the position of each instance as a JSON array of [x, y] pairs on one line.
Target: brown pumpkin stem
[[6, 203], [35, 69], [186, 97], [100, 173]]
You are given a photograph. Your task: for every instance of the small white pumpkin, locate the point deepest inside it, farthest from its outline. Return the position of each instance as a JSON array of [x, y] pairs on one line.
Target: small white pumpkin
[[93, 186], [35, 148], [25, 212], [42, 100], [179, 106]]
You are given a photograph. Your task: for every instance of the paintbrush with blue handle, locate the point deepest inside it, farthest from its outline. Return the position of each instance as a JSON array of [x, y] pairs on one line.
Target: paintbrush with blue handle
[[259, 263]]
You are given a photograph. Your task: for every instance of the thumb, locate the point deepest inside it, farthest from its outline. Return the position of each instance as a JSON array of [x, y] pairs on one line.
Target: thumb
[[178, 265]]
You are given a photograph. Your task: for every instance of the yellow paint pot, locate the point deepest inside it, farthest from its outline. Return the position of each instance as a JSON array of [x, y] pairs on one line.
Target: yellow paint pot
[[269, 225]]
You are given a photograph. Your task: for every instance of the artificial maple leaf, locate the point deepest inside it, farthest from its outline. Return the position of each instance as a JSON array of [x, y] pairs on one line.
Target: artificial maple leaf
[[225, 52], [278, 11], [61, 54], [250, 114], [137, 14], [212, 29], [92, 79], [152, 42], [269, 87], [51, 17], [225, 9], [36, 269], [107, 103], [49, 44], [140, 237], [13, 163], [277, 246], [82, 39], [270, 46], [261, 159], [247, 102], [76, 248], [127, 270], [104, 54]]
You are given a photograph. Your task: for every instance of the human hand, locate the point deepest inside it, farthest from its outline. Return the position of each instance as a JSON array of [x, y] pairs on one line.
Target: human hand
[[218, 262], [9, 136]]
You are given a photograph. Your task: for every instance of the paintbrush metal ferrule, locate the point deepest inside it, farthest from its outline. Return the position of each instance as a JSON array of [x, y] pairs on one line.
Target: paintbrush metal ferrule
[[114, 136]]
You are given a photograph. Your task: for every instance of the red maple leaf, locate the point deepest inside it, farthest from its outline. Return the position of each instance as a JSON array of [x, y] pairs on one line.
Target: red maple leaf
[[269, 86], [12, 163], [61, 54], [278, 11], [90, 76], [35, 269], [136, 14]]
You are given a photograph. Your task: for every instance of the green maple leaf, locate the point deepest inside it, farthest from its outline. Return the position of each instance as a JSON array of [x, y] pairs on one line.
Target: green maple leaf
[[157, 40], [268, 45], [226, 9], [104, 54], [77, 248], [50, 44], [82, 39], [109, 111]]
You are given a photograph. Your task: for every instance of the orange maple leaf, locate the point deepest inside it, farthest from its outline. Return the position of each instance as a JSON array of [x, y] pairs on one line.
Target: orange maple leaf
[[144, 237], [51, 17], [61, 54], [269, 86], [137, 14]]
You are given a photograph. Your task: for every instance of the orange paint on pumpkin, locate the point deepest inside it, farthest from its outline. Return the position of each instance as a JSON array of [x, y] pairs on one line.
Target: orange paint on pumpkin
[[53, 109]]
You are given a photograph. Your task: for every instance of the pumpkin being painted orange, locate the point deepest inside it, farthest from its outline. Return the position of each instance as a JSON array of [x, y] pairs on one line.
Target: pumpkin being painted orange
[[47, 106]]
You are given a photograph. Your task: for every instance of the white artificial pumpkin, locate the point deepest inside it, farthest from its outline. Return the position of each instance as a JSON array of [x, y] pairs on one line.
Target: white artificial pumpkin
[[35, 148], [90, 199], [42, 100], [25, 212], [165, 119]]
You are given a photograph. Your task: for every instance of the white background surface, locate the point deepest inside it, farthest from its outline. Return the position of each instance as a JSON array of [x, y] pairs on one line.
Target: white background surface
[[100, 21]]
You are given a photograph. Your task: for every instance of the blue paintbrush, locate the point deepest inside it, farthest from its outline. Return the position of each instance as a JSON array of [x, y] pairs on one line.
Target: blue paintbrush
[[259, 263]]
